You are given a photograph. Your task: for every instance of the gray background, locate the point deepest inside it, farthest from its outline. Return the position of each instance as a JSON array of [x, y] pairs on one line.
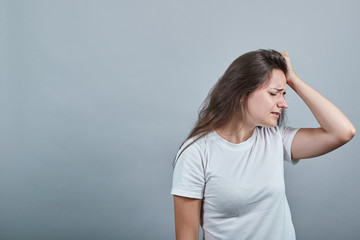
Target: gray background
[[96, 97]]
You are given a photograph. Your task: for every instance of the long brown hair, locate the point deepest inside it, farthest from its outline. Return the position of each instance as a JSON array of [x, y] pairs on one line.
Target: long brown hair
[[228, 96]]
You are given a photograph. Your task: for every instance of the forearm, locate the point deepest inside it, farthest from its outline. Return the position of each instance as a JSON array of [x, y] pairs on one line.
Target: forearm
[[330, 118]]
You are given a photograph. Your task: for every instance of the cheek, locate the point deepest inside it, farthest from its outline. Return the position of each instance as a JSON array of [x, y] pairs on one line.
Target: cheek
[[267, 101], [261, 103]]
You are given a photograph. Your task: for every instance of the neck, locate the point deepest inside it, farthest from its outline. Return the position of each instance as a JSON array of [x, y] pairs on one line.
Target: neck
[[236, 131]]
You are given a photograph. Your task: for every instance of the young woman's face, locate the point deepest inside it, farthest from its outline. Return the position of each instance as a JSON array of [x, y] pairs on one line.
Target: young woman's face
[[266, 103]]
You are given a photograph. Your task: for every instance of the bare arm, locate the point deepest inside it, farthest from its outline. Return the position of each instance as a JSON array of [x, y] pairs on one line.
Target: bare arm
[[335, 128], [187, 217]]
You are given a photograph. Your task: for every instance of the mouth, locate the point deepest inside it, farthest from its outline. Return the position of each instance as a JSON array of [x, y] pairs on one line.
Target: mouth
[[277, 114]]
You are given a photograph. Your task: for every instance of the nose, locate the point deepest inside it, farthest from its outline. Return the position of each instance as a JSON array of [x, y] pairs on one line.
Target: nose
[[282, 104]]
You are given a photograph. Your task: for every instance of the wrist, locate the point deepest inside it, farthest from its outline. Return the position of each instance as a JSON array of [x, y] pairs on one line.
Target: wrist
[[293, 80]]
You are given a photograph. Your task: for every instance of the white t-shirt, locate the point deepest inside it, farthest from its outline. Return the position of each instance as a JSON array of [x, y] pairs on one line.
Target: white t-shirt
[[242, 185]]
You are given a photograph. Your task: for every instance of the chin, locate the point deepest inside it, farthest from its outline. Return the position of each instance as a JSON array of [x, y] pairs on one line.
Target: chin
[[274, 124], [269, 124]]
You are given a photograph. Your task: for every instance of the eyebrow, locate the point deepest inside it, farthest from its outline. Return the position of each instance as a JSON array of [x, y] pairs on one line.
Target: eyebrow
[[278, 89]]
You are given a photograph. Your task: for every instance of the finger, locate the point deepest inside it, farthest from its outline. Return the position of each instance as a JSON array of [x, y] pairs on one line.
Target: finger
[[285, 54]]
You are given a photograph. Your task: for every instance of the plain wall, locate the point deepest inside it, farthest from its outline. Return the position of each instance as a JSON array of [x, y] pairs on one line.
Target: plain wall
[[97, 96]]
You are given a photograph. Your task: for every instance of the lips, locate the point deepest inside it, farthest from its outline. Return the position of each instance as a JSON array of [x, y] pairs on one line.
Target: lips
[[277, 114]]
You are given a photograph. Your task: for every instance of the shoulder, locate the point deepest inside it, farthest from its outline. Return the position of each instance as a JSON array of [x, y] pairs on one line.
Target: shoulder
[[195, 147], [194, 144], [269, 131], [276, 131]]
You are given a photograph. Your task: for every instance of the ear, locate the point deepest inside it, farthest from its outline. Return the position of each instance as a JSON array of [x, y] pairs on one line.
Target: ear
[[243, 105]]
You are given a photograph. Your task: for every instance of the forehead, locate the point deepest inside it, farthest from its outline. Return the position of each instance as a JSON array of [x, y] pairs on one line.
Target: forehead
[[277, 80]]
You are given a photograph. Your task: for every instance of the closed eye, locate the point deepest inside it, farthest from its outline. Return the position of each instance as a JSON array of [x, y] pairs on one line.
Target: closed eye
[[274, 94]]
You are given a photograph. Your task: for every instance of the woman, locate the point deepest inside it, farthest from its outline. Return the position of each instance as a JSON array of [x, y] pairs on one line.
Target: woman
[[229, 173]]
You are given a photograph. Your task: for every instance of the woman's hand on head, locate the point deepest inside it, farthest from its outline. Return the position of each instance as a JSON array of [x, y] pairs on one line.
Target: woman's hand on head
[[291, 75]]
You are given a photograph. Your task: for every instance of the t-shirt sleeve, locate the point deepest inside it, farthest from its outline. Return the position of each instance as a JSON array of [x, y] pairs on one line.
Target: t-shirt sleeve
[[287, 134], [189, 176]]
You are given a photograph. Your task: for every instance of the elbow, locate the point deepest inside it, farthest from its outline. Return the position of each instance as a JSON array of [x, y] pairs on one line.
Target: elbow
[[347, 135], [352, 133]]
